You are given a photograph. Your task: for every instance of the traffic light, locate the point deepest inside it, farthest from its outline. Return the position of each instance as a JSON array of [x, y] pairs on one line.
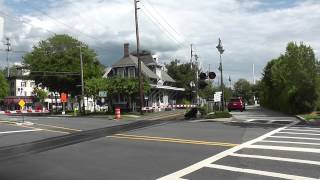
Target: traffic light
[[212, 75]]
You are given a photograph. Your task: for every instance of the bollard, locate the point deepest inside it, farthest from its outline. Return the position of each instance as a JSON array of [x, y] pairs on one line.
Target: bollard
[[117, 111]]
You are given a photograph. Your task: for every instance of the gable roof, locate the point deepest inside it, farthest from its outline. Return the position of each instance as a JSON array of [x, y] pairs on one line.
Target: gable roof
[[133, 61], [166, 77]]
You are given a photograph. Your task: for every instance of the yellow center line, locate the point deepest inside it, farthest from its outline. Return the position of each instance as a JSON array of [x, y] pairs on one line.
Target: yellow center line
[[188, 141], [176, 141], [134, 137]]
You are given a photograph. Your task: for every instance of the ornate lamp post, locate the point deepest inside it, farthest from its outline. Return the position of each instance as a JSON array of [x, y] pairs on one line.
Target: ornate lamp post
[[221, 50]]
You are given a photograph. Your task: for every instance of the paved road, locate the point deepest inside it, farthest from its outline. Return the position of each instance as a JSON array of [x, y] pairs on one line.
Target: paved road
[[160, 150]]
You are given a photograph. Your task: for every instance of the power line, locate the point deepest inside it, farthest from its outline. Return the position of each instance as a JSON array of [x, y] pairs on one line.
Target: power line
[[160, 26], [155, 10]]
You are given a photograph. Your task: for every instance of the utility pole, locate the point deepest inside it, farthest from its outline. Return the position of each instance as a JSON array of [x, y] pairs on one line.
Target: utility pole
[[138, 56], [8, 44], [191, 46], [197, 78], [254, 79], [82, 82]]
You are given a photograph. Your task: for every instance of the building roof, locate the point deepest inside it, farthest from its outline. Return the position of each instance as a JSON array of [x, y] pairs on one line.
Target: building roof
[[133, 61], [166, 77], [146, 57]]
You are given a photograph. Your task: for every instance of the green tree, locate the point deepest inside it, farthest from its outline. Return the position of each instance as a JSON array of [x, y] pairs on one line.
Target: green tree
[[4, 87], [184, 75], [243, 88], [40, 94], [57, 54], [94, 85], [289, 83]]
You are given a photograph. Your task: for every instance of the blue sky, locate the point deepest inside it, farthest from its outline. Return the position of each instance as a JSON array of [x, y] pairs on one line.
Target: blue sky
[[252, 31]]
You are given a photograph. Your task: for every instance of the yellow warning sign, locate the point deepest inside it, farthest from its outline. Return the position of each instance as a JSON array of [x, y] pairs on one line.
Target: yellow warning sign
[[22, 103]]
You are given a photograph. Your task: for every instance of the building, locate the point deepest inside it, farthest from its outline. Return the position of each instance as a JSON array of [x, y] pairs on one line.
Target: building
[[163, 92]]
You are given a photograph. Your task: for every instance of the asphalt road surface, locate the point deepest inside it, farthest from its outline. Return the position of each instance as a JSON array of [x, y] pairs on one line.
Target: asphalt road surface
[[256, 144]]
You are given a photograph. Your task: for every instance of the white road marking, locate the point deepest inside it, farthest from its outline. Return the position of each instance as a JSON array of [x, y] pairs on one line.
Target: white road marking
[[291, 142], [304, 127], [285, 148], [258, 172], [20, 131], [290, 137], [302, 130], [177, 175], [276, 158], [311, 134]]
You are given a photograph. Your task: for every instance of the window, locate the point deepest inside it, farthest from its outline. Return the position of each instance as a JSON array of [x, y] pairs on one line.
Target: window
[[132, 73], [23, 84], [120, 72], [32, 84]]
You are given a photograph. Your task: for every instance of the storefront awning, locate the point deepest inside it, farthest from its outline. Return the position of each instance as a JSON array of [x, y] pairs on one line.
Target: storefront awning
[[15, 99]]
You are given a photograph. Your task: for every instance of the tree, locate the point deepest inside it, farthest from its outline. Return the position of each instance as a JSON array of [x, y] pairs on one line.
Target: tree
[[128, 87], [4, 87], [93, 86], [51, 58], [184, 75], [290, 82], [242, 88], [40, 95]]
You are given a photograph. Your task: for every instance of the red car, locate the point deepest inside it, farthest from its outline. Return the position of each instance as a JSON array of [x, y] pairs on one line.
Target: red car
[[236, 104]]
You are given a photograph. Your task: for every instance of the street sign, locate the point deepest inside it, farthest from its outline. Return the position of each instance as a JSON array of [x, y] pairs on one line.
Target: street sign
[[103, 93], [22, 103], [217, 96], [63, 97]]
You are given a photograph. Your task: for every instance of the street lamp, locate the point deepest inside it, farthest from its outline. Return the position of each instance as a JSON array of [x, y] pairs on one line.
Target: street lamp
[[221, 50]]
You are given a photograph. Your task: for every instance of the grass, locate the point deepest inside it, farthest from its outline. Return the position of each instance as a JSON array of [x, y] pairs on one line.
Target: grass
[[218, 114], [312, 116]]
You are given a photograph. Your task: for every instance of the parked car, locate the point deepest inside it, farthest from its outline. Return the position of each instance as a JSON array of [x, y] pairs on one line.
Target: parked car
[[236, 104]]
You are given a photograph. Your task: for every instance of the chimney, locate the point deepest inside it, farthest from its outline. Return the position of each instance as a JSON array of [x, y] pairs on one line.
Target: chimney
[[126, 50]]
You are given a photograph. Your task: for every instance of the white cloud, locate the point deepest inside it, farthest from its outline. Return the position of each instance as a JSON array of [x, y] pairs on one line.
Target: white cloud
[[250, 34]]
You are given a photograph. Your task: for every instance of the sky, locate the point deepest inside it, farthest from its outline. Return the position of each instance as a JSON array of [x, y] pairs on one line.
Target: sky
[[252, 31]]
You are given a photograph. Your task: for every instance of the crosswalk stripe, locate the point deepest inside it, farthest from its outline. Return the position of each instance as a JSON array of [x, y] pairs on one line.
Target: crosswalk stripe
[[276, 158], [285, 148], [311, 134], [291, 142], [303, 127], [258, 172], [294, 137], [302, 130]]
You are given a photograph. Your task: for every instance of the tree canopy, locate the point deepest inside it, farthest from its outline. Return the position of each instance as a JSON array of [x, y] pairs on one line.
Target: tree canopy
[[243, 88], [55, 63], [290, 82], [183, 74], [4, 87]]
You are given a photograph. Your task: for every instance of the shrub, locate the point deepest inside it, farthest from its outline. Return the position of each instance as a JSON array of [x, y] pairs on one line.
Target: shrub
[[203, 110], [219, 114], [192, 113]]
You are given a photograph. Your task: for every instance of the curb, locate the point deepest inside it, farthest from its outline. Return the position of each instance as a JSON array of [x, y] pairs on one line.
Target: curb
[[304, 121]]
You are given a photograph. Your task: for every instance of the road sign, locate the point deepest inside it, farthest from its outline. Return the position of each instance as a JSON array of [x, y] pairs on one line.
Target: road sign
[[63, 97], [103, 93], [217, 96], [22, 103]]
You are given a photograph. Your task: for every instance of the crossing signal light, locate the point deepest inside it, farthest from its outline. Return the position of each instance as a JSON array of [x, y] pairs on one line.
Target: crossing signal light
[[212, 75], [203, 76]]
